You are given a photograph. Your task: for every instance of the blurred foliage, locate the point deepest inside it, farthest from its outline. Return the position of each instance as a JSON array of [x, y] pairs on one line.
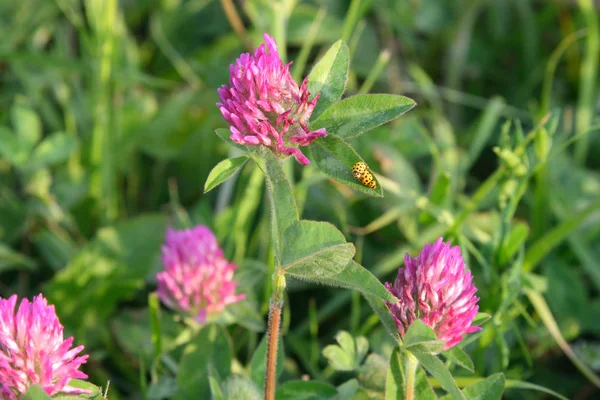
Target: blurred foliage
[[107, 114]]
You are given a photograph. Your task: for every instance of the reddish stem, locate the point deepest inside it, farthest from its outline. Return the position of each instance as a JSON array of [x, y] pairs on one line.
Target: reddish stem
[[273, 339]]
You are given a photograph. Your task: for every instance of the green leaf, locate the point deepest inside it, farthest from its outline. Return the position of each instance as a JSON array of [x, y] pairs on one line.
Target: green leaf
[[210, 347], [111, 268], [513, 242], [347, 389], [481, 318], [243, 313], [13, 216], [36, 392], [336, 158], [357, 277], [305, 390], [384, 315], [438, 370], [258, 363], [164, 388], [514, 384], [373, 373], [54, 149], [490, 388], [329, 77], [349, 354], [283, 205], [225, 134], [338, 359], [96, 392], [459, 357], [418, 332], [165, 135], [394, 387], [240, 387], [26, 124], [56, 247], [362, 347], [313, 249], [356, 115], [223, 171], [12, 260], [423, 389], [215, 389], [420, 337], [214, 385], [136, 334], [11, 149], [439, 193]]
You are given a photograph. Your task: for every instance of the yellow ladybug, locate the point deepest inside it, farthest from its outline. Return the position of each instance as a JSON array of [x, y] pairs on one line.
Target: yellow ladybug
[[361, 172], [359, 169]]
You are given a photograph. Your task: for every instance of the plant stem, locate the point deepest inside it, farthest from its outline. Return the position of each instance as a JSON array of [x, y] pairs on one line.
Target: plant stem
[[275, 306], [410, 371], [236, 22], [273, 332]]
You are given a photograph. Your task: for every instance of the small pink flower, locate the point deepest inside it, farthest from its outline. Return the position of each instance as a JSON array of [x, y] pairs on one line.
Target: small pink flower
[[33, 352], [264, 106], [197, 279], [436, 288]]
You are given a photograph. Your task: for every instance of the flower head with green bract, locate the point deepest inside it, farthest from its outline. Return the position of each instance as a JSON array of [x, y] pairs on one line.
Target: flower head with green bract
[[436, 288], [265, 106], [33, 351], [197, 279]]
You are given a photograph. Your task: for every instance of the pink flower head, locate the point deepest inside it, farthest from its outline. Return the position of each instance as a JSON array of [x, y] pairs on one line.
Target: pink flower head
[[197, 279], [436, 288], [33, 352], [264, 105]]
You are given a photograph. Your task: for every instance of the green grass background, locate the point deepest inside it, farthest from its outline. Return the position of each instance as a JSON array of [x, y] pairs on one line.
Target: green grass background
[[107, 119]]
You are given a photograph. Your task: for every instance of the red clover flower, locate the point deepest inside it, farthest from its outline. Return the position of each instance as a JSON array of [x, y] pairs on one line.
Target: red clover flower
[[197, 279], [265, 106], [436, 288], [33, 352]]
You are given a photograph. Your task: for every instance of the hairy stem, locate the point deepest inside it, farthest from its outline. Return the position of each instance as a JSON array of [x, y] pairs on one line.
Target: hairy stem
[[410, 371], [273, 340]]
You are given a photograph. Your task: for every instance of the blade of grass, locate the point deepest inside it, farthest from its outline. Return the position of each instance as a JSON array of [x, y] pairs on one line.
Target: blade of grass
[[473, 203], [179, 63], [485, 129], [587, 84], [380, 64], [551, 66], [355, 12], [542, 246], [356, 35], [510, 384], [281, 10], [103, 16], [307, 45], [245, 212], [460, 48], [542, 309], [236, 22], [582, 251]]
